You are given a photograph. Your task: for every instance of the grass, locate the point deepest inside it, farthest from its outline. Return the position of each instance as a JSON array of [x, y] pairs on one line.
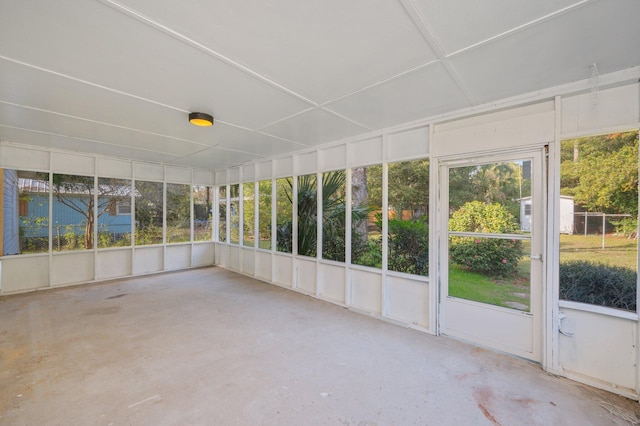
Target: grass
[[618, 251], [494, 291], [464, 284]]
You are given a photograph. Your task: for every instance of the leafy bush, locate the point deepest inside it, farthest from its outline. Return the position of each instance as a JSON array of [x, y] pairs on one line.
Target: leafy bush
[[367, 253], [598, 284], [409, 246], [489, 256]]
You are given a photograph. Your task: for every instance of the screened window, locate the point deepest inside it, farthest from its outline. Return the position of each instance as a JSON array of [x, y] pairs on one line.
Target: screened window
[[222, 214], [366, 208], [248, 209], [284, 214], [114, 212], [408, 226], [73, 216], [333, 215], [234, 214], [307, 215], [599, 220], [148, 212], [202, 205], [26, 212], [178, 213], [264, 214]]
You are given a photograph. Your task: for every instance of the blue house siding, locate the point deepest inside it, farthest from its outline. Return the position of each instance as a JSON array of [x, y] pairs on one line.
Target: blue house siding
[[64, 217]]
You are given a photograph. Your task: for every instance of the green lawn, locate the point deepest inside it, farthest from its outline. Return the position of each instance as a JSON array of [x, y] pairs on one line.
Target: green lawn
[[618, 251], [495, 291]]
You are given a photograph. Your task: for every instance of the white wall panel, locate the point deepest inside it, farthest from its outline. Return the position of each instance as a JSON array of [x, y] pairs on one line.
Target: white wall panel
[[283, 167], [602, 349], [112, 168], [202, 177], [263, 170], [22, 273], [177, 174], [282, 272], [408, 144], [233, 257], [73, 164], [202, 254], [407, 300], [113, 263], [306, 275], [147, 260], [148, 171], [524, 126], [263, 265], [248, 173], [233, 174], [604, 109], [366, 290], [12, 157], [220, 178], [334, 158], [222, 255], [306, 163], [177, 257], [72, 268], [248, 261], [364, 153], [331, 283]]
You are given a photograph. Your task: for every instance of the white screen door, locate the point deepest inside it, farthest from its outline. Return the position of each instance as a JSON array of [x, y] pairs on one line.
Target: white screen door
[[490, 262]]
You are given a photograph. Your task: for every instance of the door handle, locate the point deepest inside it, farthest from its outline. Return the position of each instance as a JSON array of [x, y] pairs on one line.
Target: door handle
[[536, 257], [560, 318]]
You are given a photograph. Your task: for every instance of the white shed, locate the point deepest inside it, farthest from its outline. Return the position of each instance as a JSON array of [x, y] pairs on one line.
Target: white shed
[[566, 214]]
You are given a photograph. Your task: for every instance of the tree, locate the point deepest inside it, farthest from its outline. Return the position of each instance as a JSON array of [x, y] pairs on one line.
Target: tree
[[77, 193], [603, 174]]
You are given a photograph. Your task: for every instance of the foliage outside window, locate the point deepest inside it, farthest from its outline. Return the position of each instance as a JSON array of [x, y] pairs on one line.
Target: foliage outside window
[[599, 248], [222, 214], [334, 215], [202, 211], [148, 213], [26, 223], [307, 215], [234, 214], [366, 232], [178, 213], [264, 214], [408, 226], [73, 212], [284, 215], [114, 212], [248, 200]]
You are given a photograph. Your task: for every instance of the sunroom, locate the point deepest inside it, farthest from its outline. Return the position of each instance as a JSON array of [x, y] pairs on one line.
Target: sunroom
[[467, 170]]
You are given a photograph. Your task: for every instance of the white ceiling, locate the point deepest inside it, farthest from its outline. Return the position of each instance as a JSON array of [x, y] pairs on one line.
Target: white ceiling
[[119, 77]]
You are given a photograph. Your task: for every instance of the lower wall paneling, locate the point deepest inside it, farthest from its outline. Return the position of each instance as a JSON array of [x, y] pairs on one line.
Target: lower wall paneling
[[72, 268], [23, 273], [407, 300], [113, 263]]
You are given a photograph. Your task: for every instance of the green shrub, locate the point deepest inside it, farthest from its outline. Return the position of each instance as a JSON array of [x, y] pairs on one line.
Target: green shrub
[[409, 246], [598, 284], [489, 256]]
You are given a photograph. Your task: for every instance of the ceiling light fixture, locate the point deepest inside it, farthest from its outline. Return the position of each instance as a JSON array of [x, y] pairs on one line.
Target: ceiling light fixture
[[200, 119]]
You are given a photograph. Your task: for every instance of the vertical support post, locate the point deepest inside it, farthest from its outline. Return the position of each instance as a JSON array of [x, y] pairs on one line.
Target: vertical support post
[[604, 229], [2, 212]]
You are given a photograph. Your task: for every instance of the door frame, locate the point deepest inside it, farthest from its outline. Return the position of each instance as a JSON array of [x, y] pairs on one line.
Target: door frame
[[544, 308]]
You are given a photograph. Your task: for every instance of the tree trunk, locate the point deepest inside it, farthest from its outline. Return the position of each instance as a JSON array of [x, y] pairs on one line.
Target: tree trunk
[[88, 229]]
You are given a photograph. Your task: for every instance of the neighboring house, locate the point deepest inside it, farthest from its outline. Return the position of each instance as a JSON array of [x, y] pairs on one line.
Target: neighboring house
[[34, 203], [566, 214]]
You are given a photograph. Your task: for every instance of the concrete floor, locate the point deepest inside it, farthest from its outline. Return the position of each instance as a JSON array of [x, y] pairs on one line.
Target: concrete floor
[[208, 346]]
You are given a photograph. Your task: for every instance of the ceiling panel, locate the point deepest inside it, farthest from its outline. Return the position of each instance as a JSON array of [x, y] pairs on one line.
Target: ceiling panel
[[23, 118], [46, 140], [476, 21], [554, 52], [314, 127], [261, 144], [34, 88], [321, 49], [215, 159], [93, 42], [421, 93]]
